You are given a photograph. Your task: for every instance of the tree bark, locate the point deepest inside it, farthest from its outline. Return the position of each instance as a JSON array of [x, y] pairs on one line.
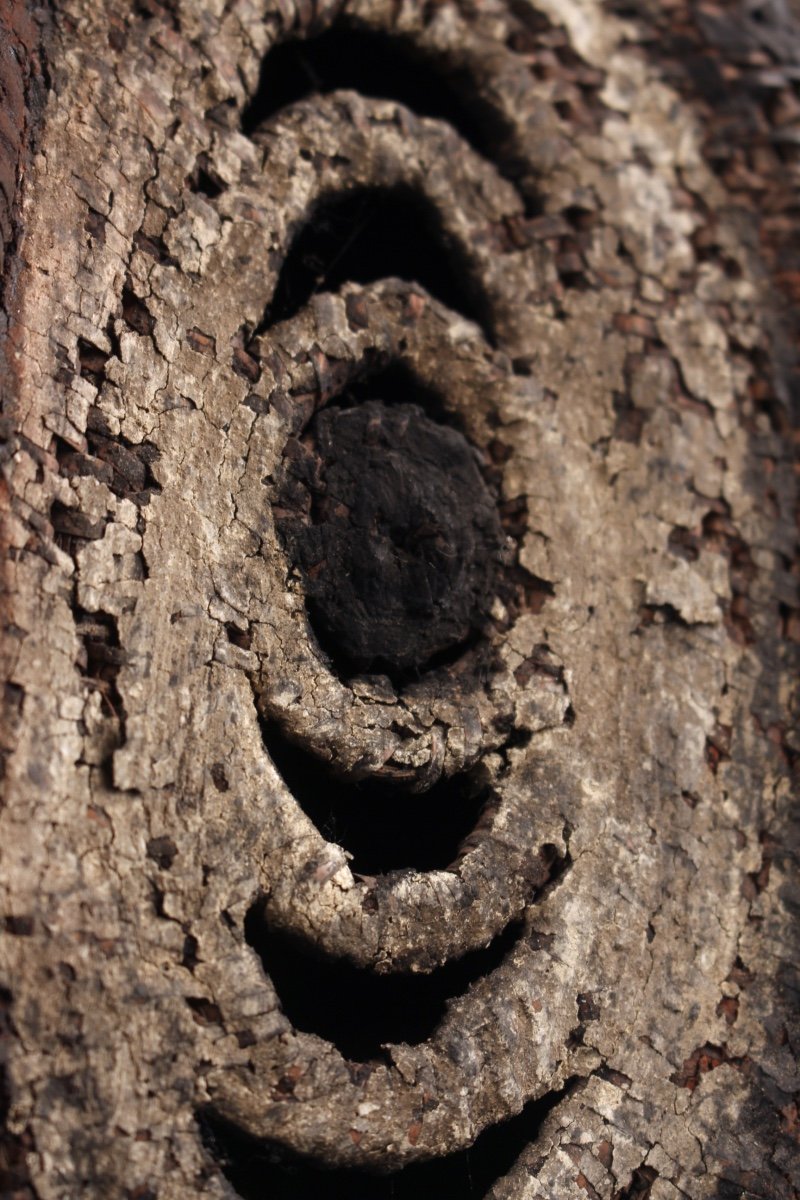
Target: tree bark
[[399, 600]]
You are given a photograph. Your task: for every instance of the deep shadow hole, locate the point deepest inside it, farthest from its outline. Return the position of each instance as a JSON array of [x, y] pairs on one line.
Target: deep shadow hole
[[383, 827], [260, 1171], [355, 1009], [386, 67], [380, 65], [396, 383], [367, 234]]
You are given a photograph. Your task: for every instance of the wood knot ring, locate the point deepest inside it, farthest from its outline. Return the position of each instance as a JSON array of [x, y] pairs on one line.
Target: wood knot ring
[[396, 534], [408, 726]]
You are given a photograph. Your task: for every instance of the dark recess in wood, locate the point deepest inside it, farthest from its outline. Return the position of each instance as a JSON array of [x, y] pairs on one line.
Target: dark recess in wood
[[260, 1171], [386, 67], [356, 1009], [373, 233], [384, 827]]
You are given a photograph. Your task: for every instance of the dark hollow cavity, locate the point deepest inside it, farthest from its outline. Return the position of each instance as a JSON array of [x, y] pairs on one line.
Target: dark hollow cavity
[[379, 65], [396, 536], [367, 234], [352, 1007], [260, 1170], [383, 827], [396, 383], [384, 67]]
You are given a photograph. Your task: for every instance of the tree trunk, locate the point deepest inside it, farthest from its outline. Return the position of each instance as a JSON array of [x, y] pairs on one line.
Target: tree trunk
[[399, 599]]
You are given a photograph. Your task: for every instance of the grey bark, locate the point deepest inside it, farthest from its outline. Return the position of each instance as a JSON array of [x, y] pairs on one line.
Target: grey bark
[[627, 708]]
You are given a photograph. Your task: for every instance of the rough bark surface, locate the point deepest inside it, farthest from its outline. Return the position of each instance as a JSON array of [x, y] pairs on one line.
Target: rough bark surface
[[585, 294]]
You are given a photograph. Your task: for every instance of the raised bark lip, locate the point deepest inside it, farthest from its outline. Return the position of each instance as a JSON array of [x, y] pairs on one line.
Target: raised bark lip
[[246, 1096], [399, 322], [411, 920], [374, 158]]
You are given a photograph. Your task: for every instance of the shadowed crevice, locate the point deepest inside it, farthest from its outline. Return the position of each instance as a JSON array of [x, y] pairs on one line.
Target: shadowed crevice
[[368, 234], [384, 67], [384, 827], [356, 1010], [261, 1171]]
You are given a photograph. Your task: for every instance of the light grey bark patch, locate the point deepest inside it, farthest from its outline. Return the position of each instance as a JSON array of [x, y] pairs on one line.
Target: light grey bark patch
[[628, 719]]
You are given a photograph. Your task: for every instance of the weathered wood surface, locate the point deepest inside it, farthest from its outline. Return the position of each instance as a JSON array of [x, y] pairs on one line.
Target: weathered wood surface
[[595, 308]]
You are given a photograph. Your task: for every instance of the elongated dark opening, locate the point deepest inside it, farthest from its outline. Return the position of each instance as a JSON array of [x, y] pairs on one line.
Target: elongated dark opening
[[352, 1007], [396, 383], [386, 67], [367, 234], [260, 1169], [383, 827]]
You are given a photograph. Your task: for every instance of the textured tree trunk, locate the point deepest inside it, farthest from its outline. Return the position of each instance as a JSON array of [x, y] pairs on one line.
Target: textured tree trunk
[[399, 599]]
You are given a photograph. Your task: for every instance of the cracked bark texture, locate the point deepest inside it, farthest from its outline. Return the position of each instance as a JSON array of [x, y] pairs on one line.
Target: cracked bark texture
[[618, 351]]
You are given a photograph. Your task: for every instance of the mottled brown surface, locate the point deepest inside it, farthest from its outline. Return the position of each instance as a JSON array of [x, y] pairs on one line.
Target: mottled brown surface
[[607, 952]]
